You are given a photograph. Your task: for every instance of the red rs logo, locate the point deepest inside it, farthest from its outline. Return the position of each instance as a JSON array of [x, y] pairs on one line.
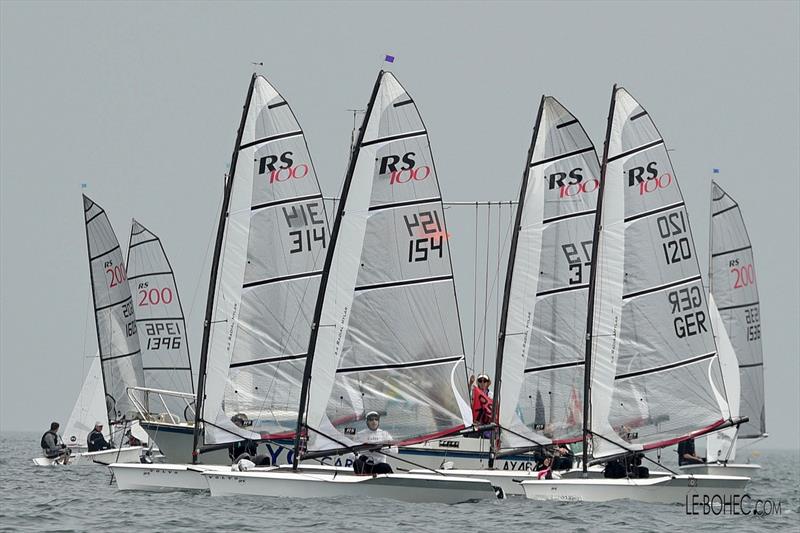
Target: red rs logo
[[404, 176]]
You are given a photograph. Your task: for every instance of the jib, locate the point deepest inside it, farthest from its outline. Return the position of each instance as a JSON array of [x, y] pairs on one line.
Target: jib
[[405, 172], [285, 170]]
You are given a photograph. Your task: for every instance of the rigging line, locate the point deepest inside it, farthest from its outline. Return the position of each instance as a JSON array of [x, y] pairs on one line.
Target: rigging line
[[486, 286], [497, 277], [205, 259], [475, 291]]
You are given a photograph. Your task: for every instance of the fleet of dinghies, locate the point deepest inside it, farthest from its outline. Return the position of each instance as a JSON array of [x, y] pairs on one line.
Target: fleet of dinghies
[[607, 340]]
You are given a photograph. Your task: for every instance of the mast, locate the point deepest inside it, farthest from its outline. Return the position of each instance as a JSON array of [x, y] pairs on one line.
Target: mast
[[334, 234], [592, 282], [94, 304], [212, 282], [507, 289]]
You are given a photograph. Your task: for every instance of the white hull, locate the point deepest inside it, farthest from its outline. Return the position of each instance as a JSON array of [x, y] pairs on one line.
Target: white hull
[[175, 442], [130, 454], [162, 477], [663, 489], [721, 469], [414, 488]]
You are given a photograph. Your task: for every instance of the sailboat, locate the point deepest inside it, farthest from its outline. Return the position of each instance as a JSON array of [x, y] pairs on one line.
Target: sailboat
[[120, 360], [733, 285], [540, 352], [385, 331], [265, 275], [652, 368]]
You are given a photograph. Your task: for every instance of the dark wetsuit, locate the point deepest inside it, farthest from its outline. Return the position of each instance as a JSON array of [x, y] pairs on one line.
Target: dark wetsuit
[[687, 447], [96, 441]]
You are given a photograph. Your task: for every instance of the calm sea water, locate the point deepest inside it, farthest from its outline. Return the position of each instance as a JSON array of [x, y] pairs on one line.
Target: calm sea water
[[81, 498]]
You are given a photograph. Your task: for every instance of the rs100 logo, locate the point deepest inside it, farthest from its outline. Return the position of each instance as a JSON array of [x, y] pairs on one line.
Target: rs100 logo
[[284, 171], [405, 172], [647, 178], [571, 183]]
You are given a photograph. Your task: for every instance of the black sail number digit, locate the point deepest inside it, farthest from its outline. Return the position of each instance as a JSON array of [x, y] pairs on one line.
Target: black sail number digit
[[427, 237]]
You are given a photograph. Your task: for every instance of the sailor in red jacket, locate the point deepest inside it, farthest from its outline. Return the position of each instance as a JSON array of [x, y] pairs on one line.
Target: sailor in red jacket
[[481, 400]]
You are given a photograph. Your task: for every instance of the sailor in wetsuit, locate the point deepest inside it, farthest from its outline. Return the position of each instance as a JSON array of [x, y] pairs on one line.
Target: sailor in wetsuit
[[52, 446], [96, 441], [369, 462], [687, 454]]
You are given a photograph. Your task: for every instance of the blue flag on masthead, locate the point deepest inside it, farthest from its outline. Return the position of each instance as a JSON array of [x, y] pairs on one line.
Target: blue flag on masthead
[[716, 171], [388, 58]]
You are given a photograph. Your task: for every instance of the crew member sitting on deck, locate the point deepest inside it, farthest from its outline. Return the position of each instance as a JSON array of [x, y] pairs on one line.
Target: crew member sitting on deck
[[52, 446], [373, 462], [687, 454], [96, 441]]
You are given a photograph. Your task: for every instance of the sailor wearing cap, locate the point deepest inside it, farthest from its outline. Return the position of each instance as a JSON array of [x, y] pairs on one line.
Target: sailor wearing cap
[[373, 462], [96, 441]]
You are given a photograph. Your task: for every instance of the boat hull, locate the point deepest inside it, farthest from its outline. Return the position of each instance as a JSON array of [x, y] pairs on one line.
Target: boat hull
[[131, 454], [162, 477], [662, 489], [412, 488], [175, 442], [722, 469], [510, 480]]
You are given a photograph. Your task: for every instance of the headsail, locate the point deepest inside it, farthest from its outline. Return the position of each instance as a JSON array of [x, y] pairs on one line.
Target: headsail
[[540, 373], [654, 365], [90, 407], [735, 289], [389, 337], [160, 323], [120, 357], [268, 265]]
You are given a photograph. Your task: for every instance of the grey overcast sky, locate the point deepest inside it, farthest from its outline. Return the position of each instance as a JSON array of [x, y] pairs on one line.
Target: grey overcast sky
[[142, 100]]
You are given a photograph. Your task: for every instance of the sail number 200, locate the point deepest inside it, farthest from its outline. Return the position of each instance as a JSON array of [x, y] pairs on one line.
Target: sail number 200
[[671, 227]]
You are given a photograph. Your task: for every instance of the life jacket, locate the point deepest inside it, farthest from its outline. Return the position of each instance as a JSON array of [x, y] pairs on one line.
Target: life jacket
[[481, 407], [43, 444]]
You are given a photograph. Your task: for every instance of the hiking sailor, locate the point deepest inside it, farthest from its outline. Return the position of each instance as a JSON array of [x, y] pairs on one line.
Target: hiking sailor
[[373, 462], [52, 446], [96, 441]]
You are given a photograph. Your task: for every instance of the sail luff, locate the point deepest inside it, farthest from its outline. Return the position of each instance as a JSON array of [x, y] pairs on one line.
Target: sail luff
[[212, 282], [588, 410], [334, 236]]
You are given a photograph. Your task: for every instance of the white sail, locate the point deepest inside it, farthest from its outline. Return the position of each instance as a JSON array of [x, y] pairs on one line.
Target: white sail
[[542, 347], [89, 408], [269, 270], [160, 323], [735, 288], [114, 315], [721, 445], [654, 366], [389, 336]]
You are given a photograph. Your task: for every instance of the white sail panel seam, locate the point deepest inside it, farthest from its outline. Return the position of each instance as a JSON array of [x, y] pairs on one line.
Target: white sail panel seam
[[664, 287], [663, 368], [273, 138]]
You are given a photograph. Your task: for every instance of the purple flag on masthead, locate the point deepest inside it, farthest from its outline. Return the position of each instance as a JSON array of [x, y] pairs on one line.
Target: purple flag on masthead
[[389, 59]]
